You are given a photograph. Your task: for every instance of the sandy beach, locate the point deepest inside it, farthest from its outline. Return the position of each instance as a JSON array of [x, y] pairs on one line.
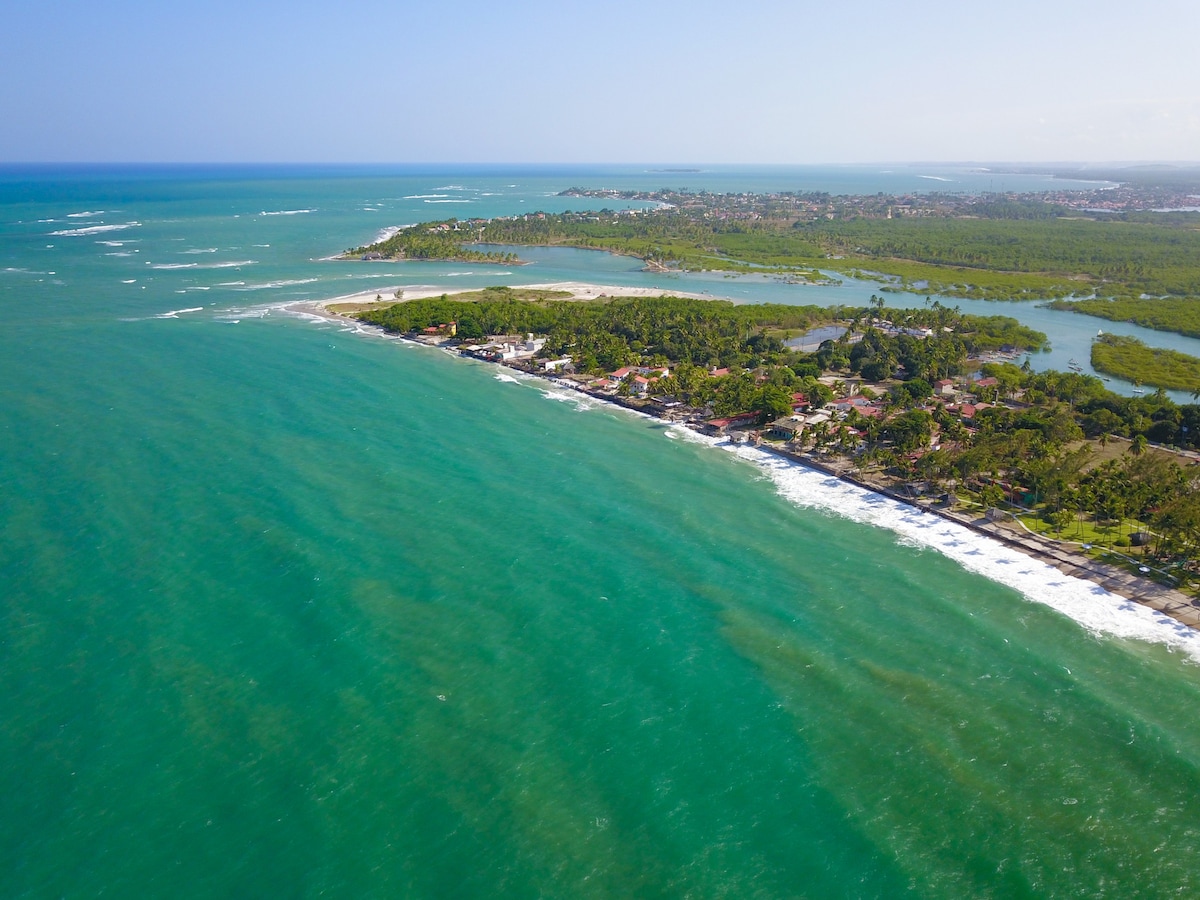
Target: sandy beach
[[577, 289], [1005, 533]]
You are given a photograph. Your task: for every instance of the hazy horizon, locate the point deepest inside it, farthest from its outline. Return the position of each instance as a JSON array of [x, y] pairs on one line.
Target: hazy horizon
[[1048, 166], [762, 83]]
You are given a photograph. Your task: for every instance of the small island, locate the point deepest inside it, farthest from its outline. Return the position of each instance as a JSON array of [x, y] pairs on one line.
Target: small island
[[1129, 358]]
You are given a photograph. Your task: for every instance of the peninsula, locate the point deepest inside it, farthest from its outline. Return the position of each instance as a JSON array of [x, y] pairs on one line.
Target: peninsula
[[1130, 253], [928, 406], [1135, 243]]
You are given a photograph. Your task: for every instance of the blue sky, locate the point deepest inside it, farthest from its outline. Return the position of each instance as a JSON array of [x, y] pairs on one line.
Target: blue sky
[[468, 81]]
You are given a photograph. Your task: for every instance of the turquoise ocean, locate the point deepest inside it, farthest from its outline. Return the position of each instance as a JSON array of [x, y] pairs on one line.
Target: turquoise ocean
[[290, 609]]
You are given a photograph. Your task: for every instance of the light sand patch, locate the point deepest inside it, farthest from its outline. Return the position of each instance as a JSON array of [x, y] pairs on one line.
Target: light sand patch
[[579, 290]]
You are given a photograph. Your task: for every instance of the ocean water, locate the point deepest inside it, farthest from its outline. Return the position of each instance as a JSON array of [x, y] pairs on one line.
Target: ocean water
[[293, 610]]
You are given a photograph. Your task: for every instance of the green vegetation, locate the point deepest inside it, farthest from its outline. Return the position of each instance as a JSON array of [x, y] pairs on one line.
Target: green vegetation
[[969, 284], [1180, 315], [1129, 358], [1101, 490], [692, 337], [603, 335], [663, 239], [1065, 255], [1058, 448], [430, 241], [505, 293], [996, 250]]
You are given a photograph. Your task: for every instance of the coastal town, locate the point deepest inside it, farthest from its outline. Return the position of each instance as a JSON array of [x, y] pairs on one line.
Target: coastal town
[[913, 404]]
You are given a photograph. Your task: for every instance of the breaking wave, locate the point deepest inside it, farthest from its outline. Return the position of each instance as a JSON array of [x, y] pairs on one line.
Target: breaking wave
[[93, 229], [1089, 604]]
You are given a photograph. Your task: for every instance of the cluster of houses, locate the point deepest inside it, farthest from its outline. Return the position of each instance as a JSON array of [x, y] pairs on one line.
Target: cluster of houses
[[964, 398], [967, 399], [509, 348], [640, 379]]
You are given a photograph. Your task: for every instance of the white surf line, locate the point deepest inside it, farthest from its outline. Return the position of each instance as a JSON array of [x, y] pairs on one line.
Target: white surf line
[[1098, 610]]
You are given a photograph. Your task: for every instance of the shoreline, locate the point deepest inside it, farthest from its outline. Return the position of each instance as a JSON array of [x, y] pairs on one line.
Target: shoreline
[[1008, 534], [579, 290]]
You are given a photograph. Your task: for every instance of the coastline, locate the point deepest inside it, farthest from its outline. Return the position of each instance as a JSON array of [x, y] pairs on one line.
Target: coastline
[[1180, 609], [579, 290]]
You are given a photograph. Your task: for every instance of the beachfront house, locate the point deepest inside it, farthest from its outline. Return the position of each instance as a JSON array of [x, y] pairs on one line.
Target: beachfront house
[[639, 378], [788, 428], [722, 426]]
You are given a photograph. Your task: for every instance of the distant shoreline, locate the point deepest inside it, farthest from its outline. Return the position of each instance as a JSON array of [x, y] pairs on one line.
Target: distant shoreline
[[579, 290], [1057, 554]]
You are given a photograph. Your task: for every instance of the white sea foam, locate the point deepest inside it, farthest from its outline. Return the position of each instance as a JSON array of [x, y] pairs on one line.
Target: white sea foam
[[231, 284], [935, 178], [581, 401], [128, 281], [1090, 605], [1096, 609], [426, 196], [262, 245], [286, 212], [233, 264], [276, 284], [93, 229], [176, 313], [86, 215], [388, 232], [252, 312], [200, 250], [448, 201], [114, 243], [450, 187], [120, 253]]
